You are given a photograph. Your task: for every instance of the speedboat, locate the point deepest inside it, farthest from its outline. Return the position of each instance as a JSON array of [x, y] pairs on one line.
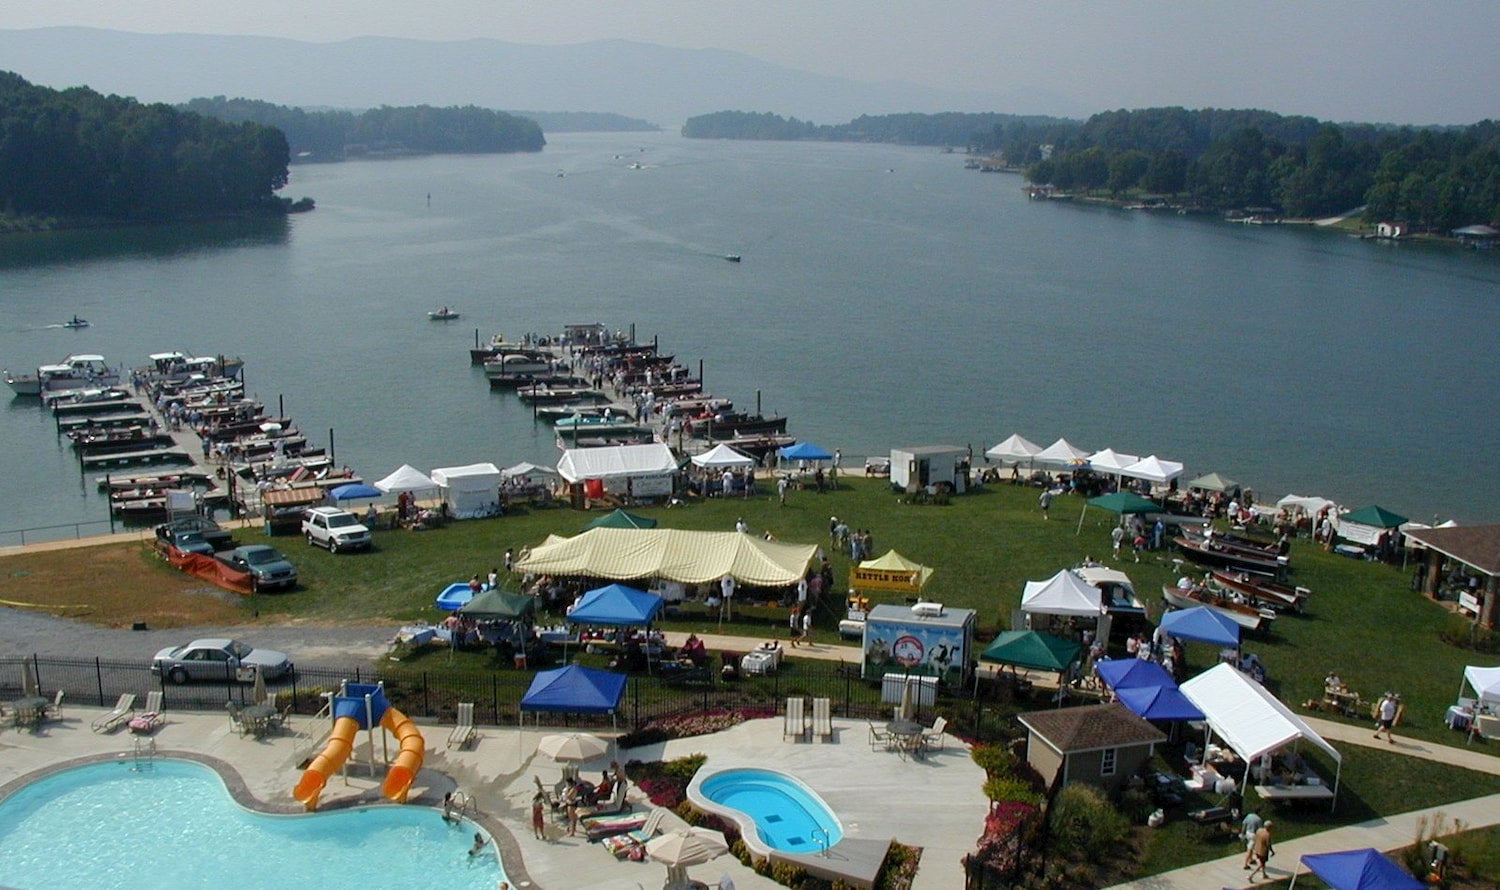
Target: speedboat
[[75, 322], [443, 314], [73, 372]]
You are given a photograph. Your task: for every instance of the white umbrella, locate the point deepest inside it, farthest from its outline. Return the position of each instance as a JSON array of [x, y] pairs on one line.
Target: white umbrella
[[573, 747], [258, 694], [686, 846], [28, 682]]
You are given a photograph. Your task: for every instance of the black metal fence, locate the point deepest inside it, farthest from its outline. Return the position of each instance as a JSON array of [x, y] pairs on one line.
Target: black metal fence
[[434, 695]]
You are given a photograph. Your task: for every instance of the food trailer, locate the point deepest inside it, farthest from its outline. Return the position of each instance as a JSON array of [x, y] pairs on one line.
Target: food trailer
[[926, 639], [916, 468]]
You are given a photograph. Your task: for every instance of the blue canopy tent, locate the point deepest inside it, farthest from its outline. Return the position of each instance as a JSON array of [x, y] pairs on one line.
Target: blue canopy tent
[[574, 690], [1158, 702], [803, 451], [355, 491], [616, 605], [1129, 673], [1363, 869], [1203, 625]]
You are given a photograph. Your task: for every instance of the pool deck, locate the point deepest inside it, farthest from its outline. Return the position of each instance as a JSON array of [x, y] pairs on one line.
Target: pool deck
[[936, 803]]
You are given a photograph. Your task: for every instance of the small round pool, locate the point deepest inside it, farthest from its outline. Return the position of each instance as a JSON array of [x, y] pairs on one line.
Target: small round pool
[[774, 810]]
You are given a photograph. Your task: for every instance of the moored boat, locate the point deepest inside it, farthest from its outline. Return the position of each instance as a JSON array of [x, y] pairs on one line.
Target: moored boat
[[734, 426], [1246, 616], [73, 372], [1210, 553], [1262, 591], [443, 314]]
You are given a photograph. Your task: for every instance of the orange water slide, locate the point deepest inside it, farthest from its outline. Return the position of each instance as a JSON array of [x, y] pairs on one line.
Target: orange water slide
[[335, 753], [408, 762]]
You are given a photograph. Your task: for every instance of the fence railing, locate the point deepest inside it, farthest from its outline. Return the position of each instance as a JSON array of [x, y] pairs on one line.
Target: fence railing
[[40, 533]]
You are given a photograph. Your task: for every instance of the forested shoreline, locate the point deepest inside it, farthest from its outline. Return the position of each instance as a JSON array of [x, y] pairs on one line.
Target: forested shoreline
[[1434, 178]]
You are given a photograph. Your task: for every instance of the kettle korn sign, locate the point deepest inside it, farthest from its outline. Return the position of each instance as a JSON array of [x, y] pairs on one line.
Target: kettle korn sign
[[861, 577]]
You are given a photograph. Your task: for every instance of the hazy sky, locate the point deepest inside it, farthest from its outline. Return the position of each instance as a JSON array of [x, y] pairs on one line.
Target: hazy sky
[[1376, 60]]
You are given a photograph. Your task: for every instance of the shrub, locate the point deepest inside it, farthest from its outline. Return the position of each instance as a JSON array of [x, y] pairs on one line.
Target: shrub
[[995, 760], [1002, 789], [1137, 805], [1084, 824]]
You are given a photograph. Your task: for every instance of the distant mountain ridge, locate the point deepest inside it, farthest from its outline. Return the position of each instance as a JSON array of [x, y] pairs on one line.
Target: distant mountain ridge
[[663, 85]]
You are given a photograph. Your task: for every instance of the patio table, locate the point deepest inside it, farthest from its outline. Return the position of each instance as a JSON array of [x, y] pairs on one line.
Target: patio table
[[908, 736], [29, 710], [258, 718]]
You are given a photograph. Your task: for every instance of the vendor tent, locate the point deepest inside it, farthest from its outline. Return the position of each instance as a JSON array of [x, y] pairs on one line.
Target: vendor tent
[[689, 557], [1126, 673], [1212, 482], [620, 518], [1110, 461], [470, 491], [721, 456], [1365, 526], [617, 462], [498, 605], [1063, 594], [407, 478], [1249, 719], [1121, 502], [1202, 624], [1015, 449], [574, 690], [1311, 505], [354, 491], [1365, 869], [1153, 469], [616, 605], [803, 451], [1165, 702], [890, 572], [1062, 453], [1486, 682], [1031, 649], [524, 469]]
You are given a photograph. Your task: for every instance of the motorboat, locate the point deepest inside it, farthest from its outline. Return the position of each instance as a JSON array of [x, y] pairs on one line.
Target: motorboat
[[75, 323], [733, 426], [73, 372], [1262, 591], [1209, 552], [1245, 615], [443, 314]]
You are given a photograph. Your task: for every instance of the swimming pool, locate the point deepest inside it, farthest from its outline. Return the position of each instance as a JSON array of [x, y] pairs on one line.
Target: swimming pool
[[174, 825], [775, 811]]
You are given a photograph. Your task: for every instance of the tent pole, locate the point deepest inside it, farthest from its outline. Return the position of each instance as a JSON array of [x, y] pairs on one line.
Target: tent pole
[[1080, 518], [1338, 771]]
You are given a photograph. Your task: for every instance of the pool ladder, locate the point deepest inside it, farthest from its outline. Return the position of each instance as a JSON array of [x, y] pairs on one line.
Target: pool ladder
[[822, 834], [144, 755]]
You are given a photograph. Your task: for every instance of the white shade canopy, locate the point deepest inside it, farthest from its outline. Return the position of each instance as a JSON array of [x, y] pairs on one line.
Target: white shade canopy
[[1111, 461], [407, 478], [1015, 448], [687, 846], [722, 456], [1063, 594], [617, 462], [1486, 681], [1061, 453], [525, 468], [1153, 469]]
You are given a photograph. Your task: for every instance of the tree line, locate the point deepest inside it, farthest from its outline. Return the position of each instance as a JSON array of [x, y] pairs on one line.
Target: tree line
[[418, 129], [78, 154], [958, 129], [1432, 178]]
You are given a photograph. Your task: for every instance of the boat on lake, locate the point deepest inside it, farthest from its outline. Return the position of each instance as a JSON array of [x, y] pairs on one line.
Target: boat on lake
[[1247, 616], [75, 323], [443, 314], [73, 372], [734, 426]]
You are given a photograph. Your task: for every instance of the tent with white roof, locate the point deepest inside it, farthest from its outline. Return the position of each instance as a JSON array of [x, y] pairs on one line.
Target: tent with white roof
[[1062, 453], [1063, 594], [1014, 450], [407, 478], [1153, 469], [470, 491], [1110, 461], [1486, 682], [722, 456], [1249, 719]]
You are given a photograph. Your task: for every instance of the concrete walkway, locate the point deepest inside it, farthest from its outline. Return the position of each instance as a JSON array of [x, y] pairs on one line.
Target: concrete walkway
[[1385, 834]]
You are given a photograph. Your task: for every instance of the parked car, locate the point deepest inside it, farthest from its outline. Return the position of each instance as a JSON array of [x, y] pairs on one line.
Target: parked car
[[195, 534], [219, 659], [267, 567], [335, 529]]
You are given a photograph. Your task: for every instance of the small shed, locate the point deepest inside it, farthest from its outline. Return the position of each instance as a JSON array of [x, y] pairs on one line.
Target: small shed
[[1102, 745], [917, 467]]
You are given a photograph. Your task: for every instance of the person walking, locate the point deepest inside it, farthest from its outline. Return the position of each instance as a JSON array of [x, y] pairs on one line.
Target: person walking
[[795, 623], [1248, 828], [807, 626], [1045, 501], [1262, 851], [781, 485], [1386, 713]]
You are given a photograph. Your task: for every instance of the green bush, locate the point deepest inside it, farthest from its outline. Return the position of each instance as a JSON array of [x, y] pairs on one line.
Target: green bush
[[684, 767], [1137, 805], [1002, 789], [1084, 824], [1465, 634], [995, 760]]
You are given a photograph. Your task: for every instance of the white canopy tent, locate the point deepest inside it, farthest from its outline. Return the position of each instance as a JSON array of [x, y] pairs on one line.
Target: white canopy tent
[[524, 469], [1110, 461], [1486, 682], [1312, 505], [1249, 719], [1014, 450], [1061, 453], [471, 491], [617, 462], [1153, 469], [407, 478], [721, 456], [1063, 594]]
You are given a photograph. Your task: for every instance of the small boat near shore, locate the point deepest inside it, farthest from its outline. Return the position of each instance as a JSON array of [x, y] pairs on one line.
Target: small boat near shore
[[1246, 616]]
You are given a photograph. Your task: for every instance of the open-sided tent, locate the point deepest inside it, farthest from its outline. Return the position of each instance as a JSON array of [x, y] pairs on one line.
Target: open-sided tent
[[1153, 469], [1486, 682], [524, 469], [1365, 869], [1063, 594], [1310, 505], [616, 605], [614, 465], [1366, 525], [1165, 702], [690, 557], [354, 491], [1249, 719], [1110, 461], [1127, 673], [574, 690], [471, 490], [406, 478], [1202, 624], [803, 451], [1121, 502], [1212, 482], [1031, 649], [1014, 449], [498, 605], [721, 456], [620, 518], [1062, 453], [890, 572]]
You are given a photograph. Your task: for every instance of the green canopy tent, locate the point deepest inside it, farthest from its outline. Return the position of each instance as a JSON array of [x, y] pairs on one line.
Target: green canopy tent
[[499, 605], [1121, 502], [1374, 515], [1032, 650], [619, 518]]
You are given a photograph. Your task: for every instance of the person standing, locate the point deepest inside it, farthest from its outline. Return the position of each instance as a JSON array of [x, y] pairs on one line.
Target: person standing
[[538, 816], [1261, 851], [1045, 501], [781, 485], [795, 625], [807, 626], [1387, 716], [1118, 537]]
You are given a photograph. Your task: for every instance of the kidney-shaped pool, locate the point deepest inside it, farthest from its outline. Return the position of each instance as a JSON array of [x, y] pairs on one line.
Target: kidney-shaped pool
[[774, 810]]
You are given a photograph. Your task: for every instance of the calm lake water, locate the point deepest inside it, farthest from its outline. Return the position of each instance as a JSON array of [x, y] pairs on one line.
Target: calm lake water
[[887, 297]]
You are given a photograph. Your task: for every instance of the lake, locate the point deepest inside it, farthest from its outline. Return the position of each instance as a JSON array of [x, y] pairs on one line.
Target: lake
[[887, 297]]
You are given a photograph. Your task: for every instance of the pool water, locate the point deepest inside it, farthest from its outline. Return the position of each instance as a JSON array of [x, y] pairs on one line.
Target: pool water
[[788, 815], [174, 825]]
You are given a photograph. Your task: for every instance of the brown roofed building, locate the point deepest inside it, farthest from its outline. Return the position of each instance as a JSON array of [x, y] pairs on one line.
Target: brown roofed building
[[1477, 547], [1100, 744]]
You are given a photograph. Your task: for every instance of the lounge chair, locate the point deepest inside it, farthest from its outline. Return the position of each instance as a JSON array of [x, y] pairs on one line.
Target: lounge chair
[[463, 733], [55, 711], [933, 738], [149, 719], [880, 737], [822, 719], [796, 720], [615, 805], [124, 710]]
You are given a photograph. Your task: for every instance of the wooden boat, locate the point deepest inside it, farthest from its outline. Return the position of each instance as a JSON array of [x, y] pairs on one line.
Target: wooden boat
[[543, 394], [597, 425], [1246, 616], [759, 446], [1262, 591], [161, 480], [1269, 549], [531, 380], [103, 421], [554, 413], [443, 314], [82, 396], [77, 409], [737, 425], [130, 438], [1215, 555]]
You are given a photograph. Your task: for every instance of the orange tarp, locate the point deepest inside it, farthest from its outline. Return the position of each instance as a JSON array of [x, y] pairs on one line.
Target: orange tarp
[[209, 569]]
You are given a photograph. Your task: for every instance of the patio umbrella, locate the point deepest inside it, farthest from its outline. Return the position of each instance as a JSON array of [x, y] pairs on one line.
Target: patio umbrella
[[907, 693], [573, 747], [258, 692], [28, 682], [355, 491], [687, 846]]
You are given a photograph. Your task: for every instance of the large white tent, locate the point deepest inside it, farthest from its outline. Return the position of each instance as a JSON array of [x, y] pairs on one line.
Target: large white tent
[[470, 491], [1063, 594], [1486, 682], [721, 456], [1110, 461], [407, 478], [524, 469], [1249, 719], [1061, 453], [649, 468], [689, 557], [1312, 505], [1153, 469], [1014, 450]]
